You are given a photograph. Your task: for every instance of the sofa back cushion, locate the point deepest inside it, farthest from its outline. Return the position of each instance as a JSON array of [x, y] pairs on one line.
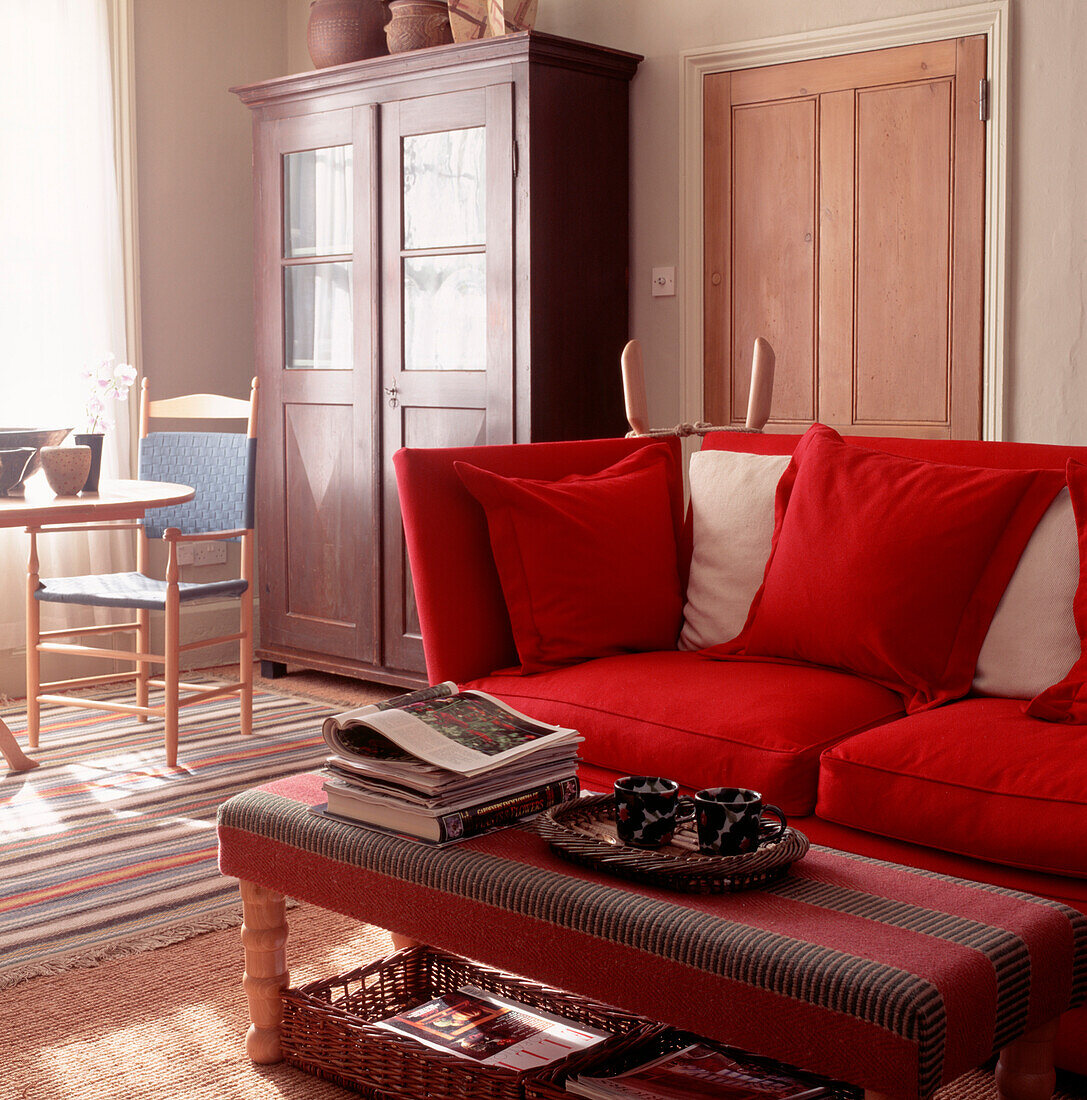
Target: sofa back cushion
[[732, 517], [462, 612], [890, 567], [1066, 701], [588, 563], [1033, 640]]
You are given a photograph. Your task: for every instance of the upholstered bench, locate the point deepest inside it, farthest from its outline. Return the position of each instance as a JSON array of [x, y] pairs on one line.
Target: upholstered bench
[[891, 978]]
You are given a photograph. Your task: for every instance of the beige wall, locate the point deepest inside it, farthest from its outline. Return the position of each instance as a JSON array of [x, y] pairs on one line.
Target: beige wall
[[194, 169], [195, 181], [1046, 358]]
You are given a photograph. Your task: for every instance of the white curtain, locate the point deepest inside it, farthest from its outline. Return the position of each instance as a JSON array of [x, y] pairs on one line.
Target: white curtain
[[61, 274]]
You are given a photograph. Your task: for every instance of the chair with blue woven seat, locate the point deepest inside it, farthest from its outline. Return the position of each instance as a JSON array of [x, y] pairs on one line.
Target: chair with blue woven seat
[[220, 466]]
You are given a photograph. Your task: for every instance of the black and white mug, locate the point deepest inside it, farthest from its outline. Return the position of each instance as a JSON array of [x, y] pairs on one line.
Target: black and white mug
[[647, 809], [729, 821]]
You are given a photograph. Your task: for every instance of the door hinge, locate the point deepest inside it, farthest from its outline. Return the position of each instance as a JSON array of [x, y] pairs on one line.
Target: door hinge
[[516, 159], [983, 100]]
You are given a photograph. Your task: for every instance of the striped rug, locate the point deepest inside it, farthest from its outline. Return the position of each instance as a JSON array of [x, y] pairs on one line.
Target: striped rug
[[104, 851]]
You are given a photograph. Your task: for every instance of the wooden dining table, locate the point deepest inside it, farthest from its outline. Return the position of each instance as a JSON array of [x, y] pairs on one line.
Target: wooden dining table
[[115, 500]]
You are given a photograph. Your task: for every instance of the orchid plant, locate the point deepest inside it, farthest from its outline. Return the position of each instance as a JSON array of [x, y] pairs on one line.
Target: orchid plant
[[107, 382]]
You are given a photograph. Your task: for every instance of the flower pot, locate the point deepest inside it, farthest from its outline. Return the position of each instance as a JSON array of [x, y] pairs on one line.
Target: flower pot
[[93, 440], [417, 24], [66, 468], [341, 31]]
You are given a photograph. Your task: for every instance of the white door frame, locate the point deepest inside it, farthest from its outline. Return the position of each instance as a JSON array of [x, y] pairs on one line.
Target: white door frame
[[990, 19]]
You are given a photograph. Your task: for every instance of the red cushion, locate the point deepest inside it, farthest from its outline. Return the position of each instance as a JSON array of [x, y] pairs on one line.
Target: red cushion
[[754, 724], [890, 567], [588, 564], [1066, 701], [462, 613], [978, 778]]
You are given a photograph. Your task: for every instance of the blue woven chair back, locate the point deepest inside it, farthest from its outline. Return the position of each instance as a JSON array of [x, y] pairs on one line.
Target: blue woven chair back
[[220, 466]]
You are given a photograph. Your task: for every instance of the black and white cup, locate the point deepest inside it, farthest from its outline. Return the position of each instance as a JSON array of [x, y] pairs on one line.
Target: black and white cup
[[647, 808], [730, 821]]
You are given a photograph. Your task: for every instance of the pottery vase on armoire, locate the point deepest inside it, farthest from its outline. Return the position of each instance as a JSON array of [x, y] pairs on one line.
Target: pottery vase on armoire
[[441, 260]]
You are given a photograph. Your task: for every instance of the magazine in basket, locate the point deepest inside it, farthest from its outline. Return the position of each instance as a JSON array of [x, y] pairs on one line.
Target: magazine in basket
[[687, 1070], [493, 1030], [442, 764]]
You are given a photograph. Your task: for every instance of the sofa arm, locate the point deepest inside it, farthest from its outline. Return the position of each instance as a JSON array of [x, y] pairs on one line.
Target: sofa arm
[[462, 613]]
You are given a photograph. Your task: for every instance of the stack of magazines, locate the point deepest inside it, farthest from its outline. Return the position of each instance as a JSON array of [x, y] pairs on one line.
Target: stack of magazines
[[441, 765]]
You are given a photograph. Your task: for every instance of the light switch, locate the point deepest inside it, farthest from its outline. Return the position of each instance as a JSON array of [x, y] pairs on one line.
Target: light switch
[[664, 282]]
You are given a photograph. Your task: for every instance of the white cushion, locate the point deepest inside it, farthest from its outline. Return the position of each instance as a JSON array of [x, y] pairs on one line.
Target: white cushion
[[732, 509], [1033, 640]]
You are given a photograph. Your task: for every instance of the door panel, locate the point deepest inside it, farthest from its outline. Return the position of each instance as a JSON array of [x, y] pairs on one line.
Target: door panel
[[844, 221], [903, 296], [318, 561], [318, 445], [447, 353], [774, 201]]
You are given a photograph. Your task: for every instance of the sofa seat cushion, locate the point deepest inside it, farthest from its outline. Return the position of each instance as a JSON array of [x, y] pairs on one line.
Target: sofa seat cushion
[[978, 778], [704, 723]]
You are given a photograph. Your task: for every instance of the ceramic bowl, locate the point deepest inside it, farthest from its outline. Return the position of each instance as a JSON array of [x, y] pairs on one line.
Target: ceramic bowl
[[13, 465], [31, 437], [66, 468]]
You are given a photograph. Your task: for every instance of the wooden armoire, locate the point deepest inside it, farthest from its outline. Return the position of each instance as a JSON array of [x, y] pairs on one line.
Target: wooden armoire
[[441, 260]]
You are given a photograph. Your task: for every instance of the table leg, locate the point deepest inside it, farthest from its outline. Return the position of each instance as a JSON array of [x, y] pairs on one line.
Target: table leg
[[264, 937], [1025, 1070], [17, 760]]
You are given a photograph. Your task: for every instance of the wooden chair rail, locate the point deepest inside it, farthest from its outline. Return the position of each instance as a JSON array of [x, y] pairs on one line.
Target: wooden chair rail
[[94, 651], [88, 681], [81, 631]]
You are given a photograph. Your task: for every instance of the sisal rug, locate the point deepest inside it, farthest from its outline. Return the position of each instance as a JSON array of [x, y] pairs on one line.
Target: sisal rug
[[106, 851], [170, 1024]]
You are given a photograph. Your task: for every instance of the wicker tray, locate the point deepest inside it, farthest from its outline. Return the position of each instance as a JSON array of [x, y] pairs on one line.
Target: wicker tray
[[327, 1027], [584, 831]]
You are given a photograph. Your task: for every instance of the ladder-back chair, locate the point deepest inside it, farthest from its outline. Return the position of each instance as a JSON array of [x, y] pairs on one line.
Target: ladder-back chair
[[220, 466]]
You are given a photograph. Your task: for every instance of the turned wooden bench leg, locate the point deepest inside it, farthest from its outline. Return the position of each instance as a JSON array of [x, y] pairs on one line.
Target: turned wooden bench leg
[[264, 937], [1025, 1070]]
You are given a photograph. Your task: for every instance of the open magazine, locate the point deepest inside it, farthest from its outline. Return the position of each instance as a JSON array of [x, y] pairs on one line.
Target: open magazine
[[493, 1030], [698, 1070], [467, 732]]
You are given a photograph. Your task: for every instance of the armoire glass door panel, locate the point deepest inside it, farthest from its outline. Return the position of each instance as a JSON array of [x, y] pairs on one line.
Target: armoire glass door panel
[[445, 312], [318, 196], [317, 314], [444, 189]]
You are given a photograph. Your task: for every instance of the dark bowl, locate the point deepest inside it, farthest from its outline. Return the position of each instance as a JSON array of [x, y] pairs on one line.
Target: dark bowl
[[14, 438], [13, 465]]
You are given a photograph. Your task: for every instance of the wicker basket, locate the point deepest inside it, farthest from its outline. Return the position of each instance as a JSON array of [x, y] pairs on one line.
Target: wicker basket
[[327, 1027]]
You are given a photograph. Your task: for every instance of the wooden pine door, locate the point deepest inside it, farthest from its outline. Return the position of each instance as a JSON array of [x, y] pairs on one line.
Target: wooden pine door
[[447, 318], [844, 222], [318, 568]]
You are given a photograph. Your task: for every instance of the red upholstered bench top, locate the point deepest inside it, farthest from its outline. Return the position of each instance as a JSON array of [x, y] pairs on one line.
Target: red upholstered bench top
[[888, 977]]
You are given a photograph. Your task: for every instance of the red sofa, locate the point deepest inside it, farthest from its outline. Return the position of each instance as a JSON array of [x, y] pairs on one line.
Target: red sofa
[[973, 788]]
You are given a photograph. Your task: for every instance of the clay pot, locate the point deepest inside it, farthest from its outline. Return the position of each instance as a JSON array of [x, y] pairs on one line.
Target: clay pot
[[66, 468], [417, 24], [341, 31]]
